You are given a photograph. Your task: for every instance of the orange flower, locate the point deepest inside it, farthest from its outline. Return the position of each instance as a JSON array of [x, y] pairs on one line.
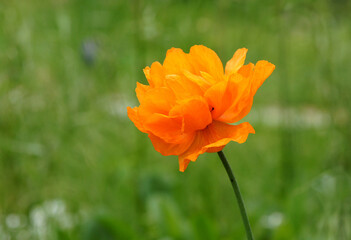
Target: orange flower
[[186, 108]]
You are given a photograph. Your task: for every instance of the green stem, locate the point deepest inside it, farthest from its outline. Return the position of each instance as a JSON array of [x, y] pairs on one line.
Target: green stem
[[238, 195]]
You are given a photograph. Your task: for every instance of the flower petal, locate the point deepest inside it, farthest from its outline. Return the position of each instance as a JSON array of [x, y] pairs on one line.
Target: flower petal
[[141, 91], [215, 137], [147, 73], [247, 70], [176, 62], [167, 149], [183, 164], [155, 100], [225, 96], [182, 87], [134, 116], [198, 80], [263, 70], [170, 129], [206, 60], [215, 96], [207, 77], [195, 111], [236, 62], [156, 75], [240, 109]]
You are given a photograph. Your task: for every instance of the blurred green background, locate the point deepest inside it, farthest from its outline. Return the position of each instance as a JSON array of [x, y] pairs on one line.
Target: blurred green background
[[73, 166]]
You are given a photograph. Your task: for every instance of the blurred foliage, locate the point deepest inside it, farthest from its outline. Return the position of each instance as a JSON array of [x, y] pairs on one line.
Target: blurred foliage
[[72, 166]]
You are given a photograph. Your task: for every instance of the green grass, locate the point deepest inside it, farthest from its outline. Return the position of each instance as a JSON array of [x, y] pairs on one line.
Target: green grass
[[73, 166]]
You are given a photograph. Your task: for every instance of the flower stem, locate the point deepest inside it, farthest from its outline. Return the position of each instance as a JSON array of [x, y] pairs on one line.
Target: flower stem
[[237, 194]]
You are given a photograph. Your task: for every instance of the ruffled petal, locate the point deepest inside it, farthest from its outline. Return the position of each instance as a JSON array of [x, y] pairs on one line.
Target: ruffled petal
[[198, 80], [215, 137], [170, 129], [147, 73], [263, 70], [236, 62], [215, 96], [240, 91], [247, 70], [195, 111], [155, 100], [257, 76], [156, 75], [176, 62], [183, 164], [206, 60], [182, 87], [225, 96], [134, 116], [141, 91], [167, 149], [208, 78]]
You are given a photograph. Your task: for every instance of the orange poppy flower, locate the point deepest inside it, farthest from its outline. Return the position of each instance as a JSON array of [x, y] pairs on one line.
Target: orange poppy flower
[[190, 101]]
